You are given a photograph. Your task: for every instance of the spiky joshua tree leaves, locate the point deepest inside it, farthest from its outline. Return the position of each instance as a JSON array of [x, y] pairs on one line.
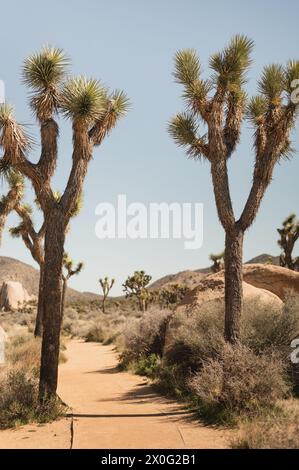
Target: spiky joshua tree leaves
[[289, 234], [11, 199], [136, 286], [171, 295], [106, 286], [221, 105], [93, 113]]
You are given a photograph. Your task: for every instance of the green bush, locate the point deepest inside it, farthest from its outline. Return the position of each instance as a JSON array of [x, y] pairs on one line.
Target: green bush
[[147, 366]]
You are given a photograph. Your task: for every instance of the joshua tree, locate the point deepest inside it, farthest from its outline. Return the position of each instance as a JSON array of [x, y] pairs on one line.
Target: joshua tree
[[221, 105], [135, 286], [13, 197], [289, 234], [106, 286], [93, 112], [70, 270], [34, 241], [218, 262], [172, 295]]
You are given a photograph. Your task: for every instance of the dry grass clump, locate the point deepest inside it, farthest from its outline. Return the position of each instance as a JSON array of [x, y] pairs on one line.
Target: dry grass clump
[[24, 349], [271, 431]]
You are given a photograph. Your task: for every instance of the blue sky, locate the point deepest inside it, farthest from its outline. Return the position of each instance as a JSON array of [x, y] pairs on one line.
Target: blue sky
[[130, 45]]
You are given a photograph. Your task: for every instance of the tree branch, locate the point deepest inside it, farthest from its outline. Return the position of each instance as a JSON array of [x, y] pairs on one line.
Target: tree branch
[[222, 194]]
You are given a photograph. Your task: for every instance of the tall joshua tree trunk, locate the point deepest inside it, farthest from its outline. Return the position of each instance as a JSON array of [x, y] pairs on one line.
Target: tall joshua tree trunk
[[52, 285], [233, 283], [222, 105]]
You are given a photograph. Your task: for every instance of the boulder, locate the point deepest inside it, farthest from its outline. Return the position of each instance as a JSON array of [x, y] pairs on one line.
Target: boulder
[[280, 281], [13, 295], [212, 288]]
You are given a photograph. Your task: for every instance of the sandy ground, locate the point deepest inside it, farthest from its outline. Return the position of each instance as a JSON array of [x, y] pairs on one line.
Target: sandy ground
[[112, 409]]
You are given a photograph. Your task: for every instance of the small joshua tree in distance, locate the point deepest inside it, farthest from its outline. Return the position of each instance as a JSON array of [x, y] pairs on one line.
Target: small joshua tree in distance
[[289, 234], [106, 286], [69, 270], [218, 262], [135, 286]]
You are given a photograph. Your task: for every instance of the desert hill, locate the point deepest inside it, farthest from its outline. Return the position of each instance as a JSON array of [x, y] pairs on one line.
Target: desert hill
[[12, 269]]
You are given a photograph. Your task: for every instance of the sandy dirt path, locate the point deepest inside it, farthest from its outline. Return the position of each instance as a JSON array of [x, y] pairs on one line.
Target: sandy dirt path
[[112, 409]]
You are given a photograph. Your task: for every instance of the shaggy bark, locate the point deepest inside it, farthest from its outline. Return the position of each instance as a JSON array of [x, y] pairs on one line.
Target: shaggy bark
[[64, 286], [52, 286], [233, 284]]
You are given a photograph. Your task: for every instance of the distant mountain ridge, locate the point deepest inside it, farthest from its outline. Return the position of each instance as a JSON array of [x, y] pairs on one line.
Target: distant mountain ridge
[[12, 269]]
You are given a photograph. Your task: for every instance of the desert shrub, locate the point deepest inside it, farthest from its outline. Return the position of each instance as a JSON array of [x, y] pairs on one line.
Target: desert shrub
[[95, 334], [193, 338], [272, 431], [71, 313], [19, 399], [19, 384], [171, 380], [240, 381], [147, 365], [265, 326], [110, 337], [145, 336], [196, 337]]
